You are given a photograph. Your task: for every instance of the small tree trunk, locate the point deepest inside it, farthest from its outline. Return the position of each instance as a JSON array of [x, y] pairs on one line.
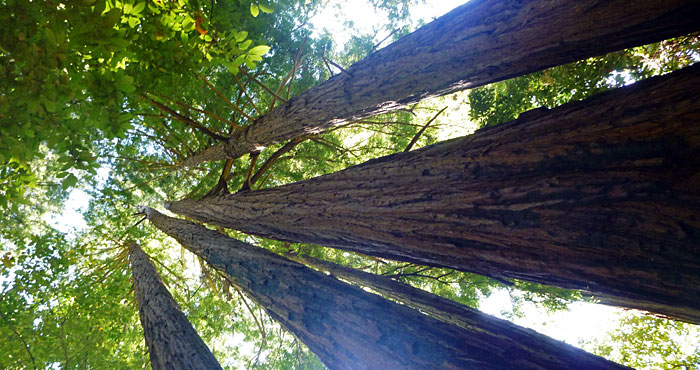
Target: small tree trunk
[[601, 195], [348, 328], [172, 341], [480, 42]]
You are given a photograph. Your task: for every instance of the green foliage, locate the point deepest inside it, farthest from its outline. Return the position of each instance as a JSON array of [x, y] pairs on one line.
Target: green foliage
[[652, 343], [72, 70], [504, 101]]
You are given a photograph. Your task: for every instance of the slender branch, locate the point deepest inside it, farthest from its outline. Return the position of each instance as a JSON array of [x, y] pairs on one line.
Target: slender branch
[[187, 120], [328, 66], [295, 69], [212, 115], [170, 133], [26, 346], [219, 94], [252, 312], [419, 133], [245, 93], [147, 181], [270, 161], [269, 90], [290, 75], [334, 64], [384, 39], [263, 180], [332, 145], [150, 163], [397, 268], [221, 185], [253, 159], [158, 141], [385, 123]]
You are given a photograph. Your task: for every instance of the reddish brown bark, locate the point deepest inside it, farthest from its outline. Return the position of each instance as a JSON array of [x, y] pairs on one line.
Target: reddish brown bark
[[172, 341], [348, 328], [601, 195], [480, 42]]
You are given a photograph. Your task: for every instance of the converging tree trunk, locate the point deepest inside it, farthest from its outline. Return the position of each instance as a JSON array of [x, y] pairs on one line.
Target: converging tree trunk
[[172, 341], [480, 42], [348, 328], [601, 195]]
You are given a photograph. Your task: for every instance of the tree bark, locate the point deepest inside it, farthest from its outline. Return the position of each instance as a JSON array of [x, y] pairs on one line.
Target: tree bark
[[480, 42], [348, 328], [600, 195], [172, 341]]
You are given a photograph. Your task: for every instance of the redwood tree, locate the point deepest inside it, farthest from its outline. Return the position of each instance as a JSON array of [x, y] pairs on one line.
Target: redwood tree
[[480, 42], [599, 195], [172, 341], [348, 328]]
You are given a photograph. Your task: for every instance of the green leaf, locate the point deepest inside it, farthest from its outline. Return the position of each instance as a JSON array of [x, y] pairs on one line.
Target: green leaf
[[139, 7], [50, 36], [112, 17], [245, 44], [49, 105], [241, 35], [69, 181], [133, 21], [230, 66], [266, 8], [125, 83], [254, 10], [239, 60], [259, 50]]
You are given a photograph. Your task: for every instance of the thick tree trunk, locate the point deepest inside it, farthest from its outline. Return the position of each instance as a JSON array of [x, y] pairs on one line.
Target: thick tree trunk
[[348, 328], [172, 341], [601, 195], [478, 43]]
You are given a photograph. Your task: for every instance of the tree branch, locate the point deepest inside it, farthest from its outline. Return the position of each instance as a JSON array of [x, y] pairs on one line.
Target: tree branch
[[419, 133], [187, 120], [219, 94], [269, 90], [270, 161]]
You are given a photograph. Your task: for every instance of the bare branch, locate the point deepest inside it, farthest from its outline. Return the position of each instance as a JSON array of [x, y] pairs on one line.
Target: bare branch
[[270, 161], [187, 120], [419, 133], [269, 90], [224, 98]]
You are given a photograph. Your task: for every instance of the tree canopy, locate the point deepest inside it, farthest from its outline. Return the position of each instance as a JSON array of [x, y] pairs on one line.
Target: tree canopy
[[105, 99]]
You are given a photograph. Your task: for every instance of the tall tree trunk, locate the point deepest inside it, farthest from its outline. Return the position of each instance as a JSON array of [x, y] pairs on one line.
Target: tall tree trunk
[[348, 328], [172, 341], [600, 195], [480, 42], [433, 305]]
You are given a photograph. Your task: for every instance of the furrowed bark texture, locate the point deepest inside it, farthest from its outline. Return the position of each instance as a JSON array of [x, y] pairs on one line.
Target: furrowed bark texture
[[348, 328], [600, 195], [480, 42], [172, 341]]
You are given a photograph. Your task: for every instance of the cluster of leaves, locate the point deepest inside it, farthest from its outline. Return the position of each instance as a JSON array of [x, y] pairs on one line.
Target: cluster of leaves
[[71, 70], [648, 342], [504, 101]]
